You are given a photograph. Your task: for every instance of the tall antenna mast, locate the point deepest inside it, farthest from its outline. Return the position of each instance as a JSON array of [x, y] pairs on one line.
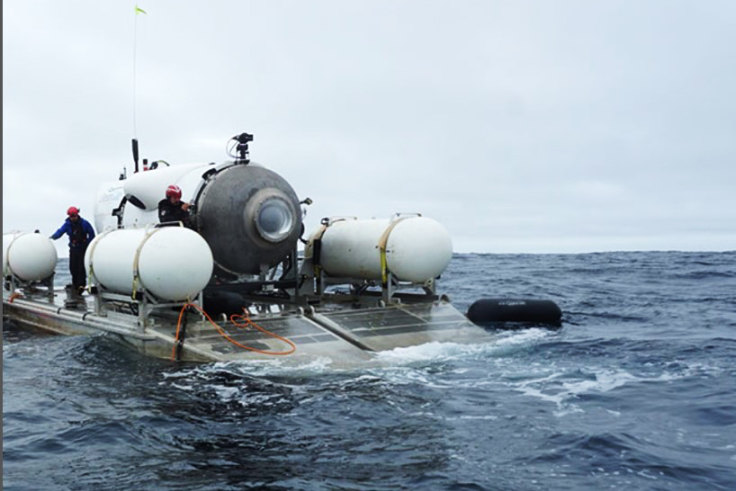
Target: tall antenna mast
[[138, 10]]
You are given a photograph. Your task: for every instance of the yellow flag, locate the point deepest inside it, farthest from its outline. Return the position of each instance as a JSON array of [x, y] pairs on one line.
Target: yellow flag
[[139, 10]]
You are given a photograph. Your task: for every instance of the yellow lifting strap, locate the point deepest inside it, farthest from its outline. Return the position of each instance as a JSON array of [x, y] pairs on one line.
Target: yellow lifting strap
[[136, 258], [382, 248], [318, 236]]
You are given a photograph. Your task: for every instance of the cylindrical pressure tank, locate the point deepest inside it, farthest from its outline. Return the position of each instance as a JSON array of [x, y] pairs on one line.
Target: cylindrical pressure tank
[[417, 248], [172, 263], [29, 256]]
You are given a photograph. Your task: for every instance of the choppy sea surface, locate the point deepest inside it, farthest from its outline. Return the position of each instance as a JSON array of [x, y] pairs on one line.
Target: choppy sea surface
[[637, 390]]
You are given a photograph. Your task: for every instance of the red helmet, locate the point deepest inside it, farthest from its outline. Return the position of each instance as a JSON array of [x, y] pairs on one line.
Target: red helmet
[[173, 190], [72, 211]]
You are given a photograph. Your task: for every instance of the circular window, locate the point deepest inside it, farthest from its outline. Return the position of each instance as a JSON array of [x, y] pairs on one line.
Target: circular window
[[274, 220]]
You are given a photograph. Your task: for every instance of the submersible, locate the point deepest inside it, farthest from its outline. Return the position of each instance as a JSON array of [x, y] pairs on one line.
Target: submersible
[[249, 216]]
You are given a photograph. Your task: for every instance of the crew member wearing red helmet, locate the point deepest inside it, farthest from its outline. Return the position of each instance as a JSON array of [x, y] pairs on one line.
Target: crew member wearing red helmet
[[80, 234], [172, 208]]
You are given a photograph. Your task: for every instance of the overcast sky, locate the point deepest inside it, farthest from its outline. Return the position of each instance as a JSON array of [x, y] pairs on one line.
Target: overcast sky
[[543, 126]]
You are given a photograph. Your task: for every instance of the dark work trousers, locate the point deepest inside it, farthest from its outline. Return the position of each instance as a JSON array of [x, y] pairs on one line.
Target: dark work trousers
[[76, 268]]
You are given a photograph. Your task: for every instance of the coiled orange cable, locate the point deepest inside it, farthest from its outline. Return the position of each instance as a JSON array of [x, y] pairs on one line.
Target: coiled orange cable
[[222, 332]]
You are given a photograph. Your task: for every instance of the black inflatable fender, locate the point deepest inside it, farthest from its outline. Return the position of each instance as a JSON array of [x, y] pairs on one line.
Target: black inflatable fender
[[497, 310]]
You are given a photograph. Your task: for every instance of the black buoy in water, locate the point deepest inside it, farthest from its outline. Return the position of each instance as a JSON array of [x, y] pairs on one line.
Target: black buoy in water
[[487, 311]]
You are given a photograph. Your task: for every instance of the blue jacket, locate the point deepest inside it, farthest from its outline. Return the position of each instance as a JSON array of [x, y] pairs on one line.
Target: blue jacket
[[86, 234]]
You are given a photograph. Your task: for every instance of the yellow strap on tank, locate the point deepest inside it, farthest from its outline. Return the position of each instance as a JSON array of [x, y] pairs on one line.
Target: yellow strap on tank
[[317, 236], [89, 275], [136, 276], [382, 248]]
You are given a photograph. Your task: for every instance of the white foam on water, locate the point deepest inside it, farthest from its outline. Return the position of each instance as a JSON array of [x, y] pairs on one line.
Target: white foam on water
[[259, 368], [187, 388], [562, 393], [564, 387], [504, 343], [434, 351], [226, 393], [522, 337], [283, 366]]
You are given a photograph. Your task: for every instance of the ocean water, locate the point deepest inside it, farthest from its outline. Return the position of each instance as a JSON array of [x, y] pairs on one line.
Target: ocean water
[[636, 390]]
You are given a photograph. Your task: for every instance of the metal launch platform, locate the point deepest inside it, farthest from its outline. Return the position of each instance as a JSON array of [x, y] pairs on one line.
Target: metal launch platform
[[344, 336]]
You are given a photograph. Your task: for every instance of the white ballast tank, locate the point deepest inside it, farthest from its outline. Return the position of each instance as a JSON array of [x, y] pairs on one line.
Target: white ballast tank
[[172, 263], [417, 248], [28, 256]]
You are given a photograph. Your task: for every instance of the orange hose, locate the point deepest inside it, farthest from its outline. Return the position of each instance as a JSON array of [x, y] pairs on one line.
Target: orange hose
[[178, 328], [249, 322], [228, 338], [14, 296]]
